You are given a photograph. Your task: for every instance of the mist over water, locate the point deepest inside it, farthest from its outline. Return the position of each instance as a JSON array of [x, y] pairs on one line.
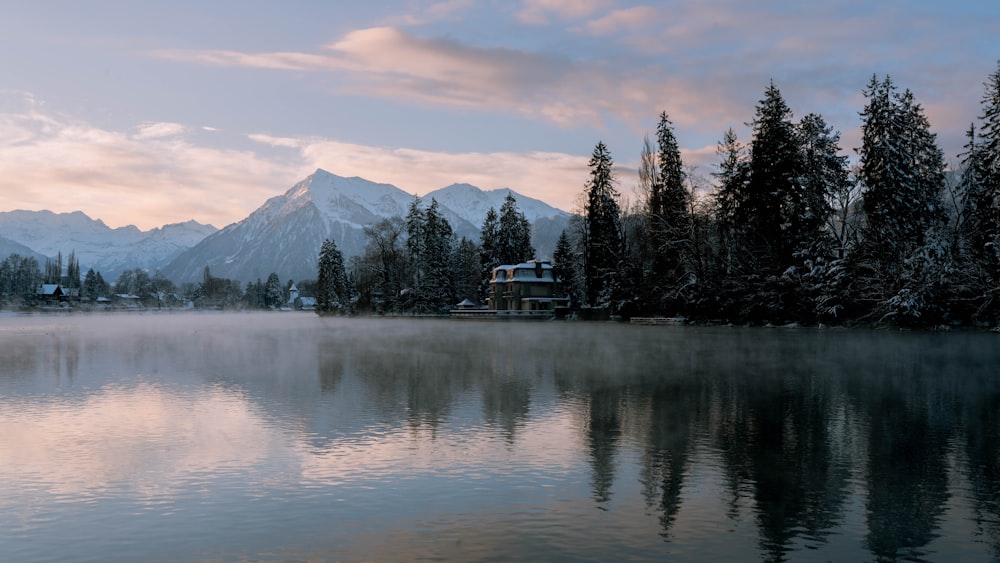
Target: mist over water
[[286, 436]]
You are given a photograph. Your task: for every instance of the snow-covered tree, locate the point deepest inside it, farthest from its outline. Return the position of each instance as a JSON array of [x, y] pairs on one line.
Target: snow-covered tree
[[667, 220], [513, 236], [332, 295], [776, 209], [902, 172], [274, 295], [602, 232]]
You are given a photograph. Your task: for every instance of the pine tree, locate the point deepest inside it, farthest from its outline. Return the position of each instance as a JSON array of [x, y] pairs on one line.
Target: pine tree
[[603, 241], [488, 241], [901, 168], [331, 280], [513, 236], [668, 217], [274, 295], [732, 179], [436, 292], [775, 208], [980, 184], [415, 222], [467, 270], [902, 171]]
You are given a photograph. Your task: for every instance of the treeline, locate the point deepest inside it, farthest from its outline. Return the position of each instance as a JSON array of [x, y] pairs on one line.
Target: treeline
[[21, 278], [790, 232], [417, 265]]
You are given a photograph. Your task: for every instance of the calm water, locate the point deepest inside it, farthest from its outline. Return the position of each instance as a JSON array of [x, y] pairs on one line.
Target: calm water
[[289, 437]]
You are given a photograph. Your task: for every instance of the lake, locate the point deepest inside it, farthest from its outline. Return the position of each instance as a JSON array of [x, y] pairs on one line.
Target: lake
[[284, 436]]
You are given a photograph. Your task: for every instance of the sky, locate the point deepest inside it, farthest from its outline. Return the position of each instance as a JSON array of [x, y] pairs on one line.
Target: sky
[[149, 113]]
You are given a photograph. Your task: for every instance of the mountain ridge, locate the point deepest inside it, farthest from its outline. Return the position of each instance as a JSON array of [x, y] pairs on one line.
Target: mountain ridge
[[283, 235]]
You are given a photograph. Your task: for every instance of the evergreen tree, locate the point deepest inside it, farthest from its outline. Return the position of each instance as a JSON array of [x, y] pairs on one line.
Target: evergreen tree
[[331, 282], [488, 256], [902, 171], [416, 219], [274, 296], [980, 184], [467, 270], [732, 179], [775, 208], [19, 277], [603, 240], [903, 259], [668, 218], [93, 285], [436, 292], [513, 235]]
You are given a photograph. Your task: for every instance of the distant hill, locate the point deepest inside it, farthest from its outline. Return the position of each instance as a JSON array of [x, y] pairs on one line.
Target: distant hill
[[97, 246]]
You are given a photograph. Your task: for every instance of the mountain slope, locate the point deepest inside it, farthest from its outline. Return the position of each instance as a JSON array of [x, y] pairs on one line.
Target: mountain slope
[[284, 235], [96, 245]]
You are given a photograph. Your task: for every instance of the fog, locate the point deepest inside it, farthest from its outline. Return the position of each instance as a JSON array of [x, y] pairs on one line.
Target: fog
[[142, 428]]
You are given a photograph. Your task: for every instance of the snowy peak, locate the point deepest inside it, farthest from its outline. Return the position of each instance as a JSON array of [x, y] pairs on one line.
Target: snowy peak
[[95, 244], [472, 203]]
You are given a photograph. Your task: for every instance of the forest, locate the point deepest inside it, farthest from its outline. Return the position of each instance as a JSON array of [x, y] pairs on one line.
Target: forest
[[790, 231]]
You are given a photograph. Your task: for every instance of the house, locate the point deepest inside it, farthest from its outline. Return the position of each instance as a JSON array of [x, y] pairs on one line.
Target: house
[[525, 287], [305, 304], [49, 292]]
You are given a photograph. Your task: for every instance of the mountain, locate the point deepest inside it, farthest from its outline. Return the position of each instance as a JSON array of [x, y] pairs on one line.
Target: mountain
[[472, 203], [284, 235], [8, 247], [97, 246]]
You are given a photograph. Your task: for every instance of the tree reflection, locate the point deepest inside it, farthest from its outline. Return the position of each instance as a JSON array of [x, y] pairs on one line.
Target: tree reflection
[[603, 432], [774, 434], [907, 478], [982, 430], [665, 458]]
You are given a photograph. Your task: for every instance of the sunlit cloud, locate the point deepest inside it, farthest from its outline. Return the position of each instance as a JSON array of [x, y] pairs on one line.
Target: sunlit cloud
[[433, 12], [159, 130], [627, 19], [390, 63], [148, 179], [541, 12]]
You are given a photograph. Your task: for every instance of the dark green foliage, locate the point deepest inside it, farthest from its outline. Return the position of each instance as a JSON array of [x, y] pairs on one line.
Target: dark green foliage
[[668, 224], [513, 236], [19, 276], [332, 294], [602, 238]]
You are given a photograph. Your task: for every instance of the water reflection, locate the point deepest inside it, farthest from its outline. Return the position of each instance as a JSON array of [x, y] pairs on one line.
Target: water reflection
[[302, 437]]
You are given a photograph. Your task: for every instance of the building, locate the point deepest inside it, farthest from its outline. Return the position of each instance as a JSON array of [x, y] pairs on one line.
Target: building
[[530, 286]]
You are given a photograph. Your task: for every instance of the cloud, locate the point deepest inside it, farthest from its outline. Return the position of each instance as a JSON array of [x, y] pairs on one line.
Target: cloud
[[54, 162], [434, 12], [159, 130], [539, 12], [390, 63], [623, 20]]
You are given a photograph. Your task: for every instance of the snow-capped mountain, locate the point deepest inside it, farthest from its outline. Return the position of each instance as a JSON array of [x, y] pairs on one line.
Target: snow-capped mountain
[[472, 203], [97, 246], [8, 247], [284, 235]]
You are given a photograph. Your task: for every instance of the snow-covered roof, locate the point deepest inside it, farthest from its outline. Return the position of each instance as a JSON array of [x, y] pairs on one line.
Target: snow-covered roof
[[48, 289], [533, 271]]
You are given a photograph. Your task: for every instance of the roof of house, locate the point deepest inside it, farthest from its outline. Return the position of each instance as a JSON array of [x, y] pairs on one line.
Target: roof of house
[[535, 272], [49, 289]]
